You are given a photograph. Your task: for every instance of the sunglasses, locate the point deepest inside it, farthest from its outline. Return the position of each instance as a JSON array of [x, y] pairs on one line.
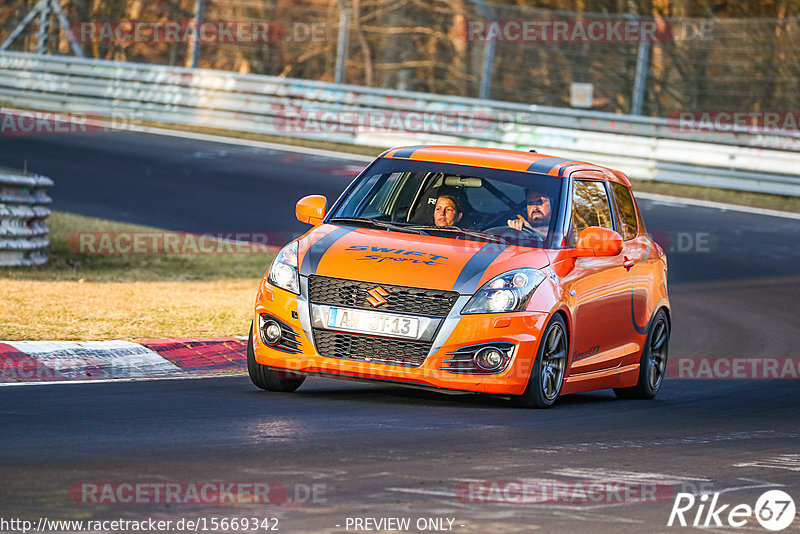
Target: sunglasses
[[538, 201]]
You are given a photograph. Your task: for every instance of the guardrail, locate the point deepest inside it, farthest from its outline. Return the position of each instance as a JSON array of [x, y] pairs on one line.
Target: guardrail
[[644, 148], [23, 230]]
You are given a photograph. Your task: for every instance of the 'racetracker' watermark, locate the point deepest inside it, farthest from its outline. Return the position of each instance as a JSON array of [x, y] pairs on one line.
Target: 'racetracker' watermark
[[735, 121], [149, 524], [206, 32], [581, 31], [685, 242], [734, 368], [380, 121], [22, 368], [211, 493], [215, 493], [122, 243], [39, 122], [16, 122], [573, 492]]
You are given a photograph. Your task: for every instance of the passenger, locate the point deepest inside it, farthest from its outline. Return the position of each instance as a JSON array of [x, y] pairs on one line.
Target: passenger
[[448, 210], [538, 212]]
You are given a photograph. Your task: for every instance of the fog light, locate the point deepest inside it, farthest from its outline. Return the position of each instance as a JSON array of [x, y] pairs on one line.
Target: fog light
[[272, 332], [489, 359]]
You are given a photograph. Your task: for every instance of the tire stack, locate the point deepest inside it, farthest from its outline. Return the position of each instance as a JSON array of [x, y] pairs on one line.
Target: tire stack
[[23, 230]]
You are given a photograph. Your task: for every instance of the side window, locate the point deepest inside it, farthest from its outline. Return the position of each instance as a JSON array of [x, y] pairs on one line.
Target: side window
[[589, 207], [626, 212]]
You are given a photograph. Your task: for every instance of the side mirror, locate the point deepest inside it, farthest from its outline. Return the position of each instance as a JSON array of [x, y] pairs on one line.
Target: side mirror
[[311, 209], [597, 241]]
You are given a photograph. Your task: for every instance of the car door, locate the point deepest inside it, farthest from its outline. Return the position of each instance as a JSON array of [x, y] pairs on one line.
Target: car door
[[601, 285], [638, 258]]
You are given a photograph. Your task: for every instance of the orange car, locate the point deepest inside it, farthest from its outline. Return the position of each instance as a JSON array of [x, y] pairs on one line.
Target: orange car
[[469, 269]]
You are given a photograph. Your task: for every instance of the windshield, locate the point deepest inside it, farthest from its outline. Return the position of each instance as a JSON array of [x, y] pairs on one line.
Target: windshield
[[454, 201]]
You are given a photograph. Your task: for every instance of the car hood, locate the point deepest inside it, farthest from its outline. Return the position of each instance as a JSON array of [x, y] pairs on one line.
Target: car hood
[[405, 259]]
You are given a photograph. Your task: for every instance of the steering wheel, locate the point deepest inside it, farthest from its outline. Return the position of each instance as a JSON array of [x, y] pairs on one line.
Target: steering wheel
[[497, 221], [511, 236]]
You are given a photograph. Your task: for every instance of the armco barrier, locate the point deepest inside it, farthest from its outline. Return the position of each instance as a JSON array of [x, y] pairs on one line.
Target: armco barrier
[[23, 230], [645, 148]]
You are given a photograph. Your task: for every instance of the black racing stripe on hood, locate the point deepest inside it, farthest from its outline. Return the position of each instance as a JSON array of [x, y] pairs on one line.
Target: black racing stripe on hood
[[317, 250], [470, 275]]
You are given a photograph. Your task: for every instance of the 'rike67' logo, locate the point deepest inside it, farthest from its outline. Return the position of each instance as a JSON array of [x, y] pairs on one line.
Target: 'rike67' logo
[[774, 510]]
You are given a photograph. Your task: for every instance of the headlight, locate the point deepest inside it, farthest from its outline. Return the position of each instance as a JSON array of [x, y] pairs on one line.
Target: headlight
[[504, 293], [283, 271]]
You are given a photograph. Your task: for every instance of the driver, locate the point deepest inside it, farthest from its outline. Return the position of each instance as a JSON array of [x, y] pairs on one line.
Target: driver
[[448, 210], [538, 214]]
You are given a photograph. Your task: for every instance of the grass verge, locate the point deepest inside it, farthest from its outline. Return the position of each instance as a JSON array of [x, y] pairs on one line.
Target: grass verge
[[126, 296]]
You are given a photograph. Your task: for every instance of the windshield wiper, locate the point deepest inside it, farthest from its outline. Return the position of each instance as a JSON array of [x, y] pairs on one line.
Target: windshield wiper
[[462, 231], [378, 224]]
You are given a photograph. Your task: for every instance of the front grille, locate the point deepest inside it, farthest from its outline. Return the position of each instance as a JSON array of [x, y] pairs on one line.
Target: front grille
[[371, 349], [401, 299]]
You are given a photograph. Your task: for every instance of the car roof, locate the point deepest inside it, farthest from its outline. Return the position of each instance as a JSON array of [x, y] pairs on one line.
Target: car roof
[[500, 158]]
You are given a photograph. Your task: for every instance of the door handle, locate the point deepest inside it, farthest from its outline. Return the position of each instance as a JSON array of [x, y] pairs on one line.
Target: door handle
[[627, 262]]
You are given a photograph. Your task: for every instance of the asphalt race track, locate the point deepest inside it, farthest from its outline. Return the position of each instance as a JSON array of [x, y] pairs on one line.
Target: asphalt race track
[[177, 184], [344, 450]]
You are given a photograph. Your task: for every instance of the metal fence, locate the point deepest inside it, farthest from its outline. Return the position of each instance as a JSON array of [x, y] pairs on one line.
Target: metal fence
[[470, 48], [23, 230]]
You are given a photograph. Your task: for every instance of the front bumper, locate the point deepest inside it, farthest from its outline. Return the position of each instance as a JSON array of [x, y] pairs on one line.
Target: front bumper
[[522, 329]]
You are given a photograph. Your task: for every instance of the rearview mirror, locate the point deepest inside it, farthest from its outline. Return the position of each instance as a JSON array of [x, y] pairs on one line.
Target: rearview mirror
[[597, 241], [311, 209], [462, 181]]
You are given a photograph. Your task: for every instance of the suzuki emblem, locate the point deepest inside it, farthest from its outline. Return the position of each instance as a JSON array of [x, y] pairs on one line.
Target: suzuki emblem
[[377, 296]]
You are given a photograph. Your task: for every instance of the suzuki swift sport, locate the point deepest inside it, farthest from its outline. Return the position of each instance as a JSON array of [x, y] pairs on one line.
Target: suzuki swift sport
[[473, 270]]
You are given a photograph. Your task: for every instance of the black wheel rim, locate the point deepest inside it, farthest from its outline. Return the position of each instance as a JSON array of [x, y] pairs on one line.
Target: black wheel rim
[[554, 360], [657, 359]]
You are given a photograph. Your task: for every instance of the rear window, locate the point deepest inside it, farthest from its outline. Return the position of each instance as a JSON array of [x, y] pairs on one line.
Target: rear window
[[626, 211]]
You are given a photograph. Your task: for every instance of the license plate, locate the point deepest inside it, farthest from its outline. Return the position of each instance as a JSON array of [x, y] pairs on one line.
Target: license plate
[[373, 323]]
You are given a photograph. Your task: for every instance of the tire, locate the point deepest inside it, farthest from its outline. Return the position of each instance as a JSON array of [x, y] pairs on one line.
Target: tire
[[547, 374], [269, 379], [653, 362]]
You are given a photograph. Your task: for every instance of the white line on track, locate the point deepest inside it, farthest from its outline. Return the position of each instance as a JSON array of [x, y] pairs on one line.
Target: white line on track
[[790, 462], [591, 473], [716, 205], [759, 485], [253, 143], [358, 157]]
